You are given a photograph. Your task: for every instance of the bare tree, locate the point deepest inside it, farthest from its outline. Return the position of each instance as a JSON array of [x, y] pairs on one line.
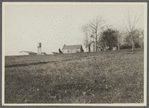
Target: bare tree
[[130, 25], [95, 26]]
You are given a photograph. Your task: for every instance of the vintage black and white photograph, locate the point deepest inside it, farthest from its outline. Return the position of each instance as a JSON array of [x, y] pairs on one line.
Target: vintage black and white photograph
[[74, 53]]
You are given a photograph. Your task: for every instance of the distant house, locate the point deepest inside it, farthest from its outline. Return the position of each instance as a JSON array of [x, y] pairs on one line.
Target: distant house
[[92, 47], [72, 49], [29, 52]]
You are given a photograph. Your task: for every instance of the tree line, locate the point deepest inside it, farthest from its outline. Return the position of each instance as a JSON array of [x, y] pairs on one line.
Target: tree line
[[105, 35]]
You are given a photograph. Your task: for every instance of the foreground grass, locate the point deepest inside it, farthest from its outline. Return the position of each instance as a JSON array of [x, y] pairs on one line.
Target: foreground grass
[[106, 77]]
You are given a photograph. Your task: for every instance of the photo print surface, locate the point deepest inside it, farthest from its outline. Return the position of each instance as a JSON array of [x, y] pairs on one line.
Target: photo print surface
[[90, 54]]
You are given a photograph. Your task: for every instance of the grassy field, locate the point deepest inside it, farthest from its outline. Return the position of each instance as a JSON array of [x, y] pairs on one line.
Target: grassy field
[[103, 77]]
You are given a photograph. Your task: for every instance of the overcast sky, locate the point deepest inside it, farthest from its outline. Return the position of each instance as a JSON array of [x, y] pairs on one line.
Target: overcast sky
[[56, 24]]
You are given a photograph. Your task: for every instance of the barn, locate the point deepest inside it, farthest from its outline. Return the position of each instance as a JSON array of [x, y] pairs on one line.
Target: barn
[[72, 49]]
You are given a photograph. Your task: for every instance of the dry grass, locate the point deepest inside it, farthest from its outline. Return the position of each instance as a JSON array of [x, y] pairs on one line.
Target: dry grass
[[104, 77]]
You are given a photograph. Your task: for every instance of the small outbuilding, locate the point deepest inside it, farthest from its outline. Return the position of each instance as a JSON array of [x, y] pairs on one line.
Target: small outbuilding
[[92, 47], [29, 52], [72, 49]]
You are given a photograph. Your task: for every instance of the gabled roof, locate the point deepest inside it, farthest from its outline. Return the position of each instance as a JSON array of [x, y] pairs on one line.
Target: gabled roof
[[91, 42], [71, 47]]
